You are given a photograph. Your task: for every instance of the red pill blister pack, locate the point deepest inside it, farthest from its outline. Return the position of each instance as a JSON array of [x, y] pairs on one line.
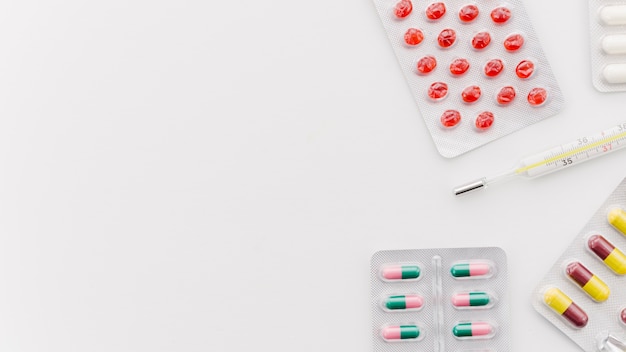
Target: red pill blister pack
[[583, 293], [440, 299], [608, 44], [475, 69]]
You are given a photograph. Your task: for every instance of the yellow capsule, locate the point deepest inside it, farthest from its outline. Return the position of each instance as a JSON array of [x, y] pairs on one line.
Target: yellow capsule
[[565, 307], [617, 218]]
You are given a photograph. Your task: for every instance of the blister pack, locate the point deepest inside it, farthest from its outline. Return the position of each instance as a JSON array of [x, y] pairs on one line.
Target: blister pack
[[475, 69], [451, 299], [583, 293], [607, 22]]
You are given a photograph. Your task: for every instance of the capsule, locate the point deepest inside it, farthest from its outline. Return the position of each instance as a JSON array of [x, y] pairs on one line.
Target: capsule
[[609, 254], [565, 307], [471, 269], [400, 302], [401, 332], [472, 329], [589, 282], [617, 218], [471, 299], [401, 272]]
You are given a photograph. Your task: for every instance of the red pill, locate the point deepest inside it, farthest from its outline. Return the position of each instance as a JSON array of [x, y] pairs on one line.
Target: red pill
[[622, 316], [450, 118], [481, 40], [484, 120], [471, 94], [468, 13], [493, 67], [435, 10], [537, 96], [403, 8], [413, 36], [459, 66], [506, 95], [500, 14], [426, 64], [437, 90], [513, 42], [446, 38], [525, 69]]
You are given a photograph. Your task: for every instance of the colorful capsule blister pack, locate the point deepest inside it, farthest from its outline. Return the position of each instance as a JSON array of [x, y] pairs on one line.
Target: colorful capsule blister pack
[[475, 69], [608, 44], [451, 299], [583, 293]]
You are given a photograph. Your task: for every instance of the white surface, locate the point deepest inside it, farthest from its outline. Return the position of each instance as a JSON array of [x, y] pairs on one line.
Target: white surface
[[214, 176]]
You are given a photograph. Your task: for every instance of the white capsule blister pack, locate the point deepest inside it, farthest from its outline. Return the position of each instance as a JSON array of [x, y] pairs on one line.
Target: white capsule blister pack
[[475, 69], [449, 299], [608, 44], [584, 293]]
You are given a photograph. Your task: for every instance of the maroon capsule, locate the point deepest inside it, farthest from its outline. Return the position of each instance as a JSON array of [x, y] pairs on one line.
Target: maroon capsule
[[578, 273], [576, 315], [622, 316], [611, 256]]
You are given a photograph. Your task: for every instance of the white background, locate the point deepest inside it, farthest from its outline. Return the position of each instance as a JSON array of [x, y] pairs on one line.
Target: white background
[[187, 175]]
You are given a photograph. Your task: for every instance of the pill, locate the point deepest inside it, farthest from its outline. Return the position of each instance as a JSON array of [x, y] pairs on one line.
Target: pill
[[617, 218], [450, 118], [400, 302], [471, 269], [608, 253], [500, 14], [614, 73], [537, 96], [513, 42], [446, 38], [413, 36], [470, 94], [435, 10], [614, 44], [614, 15], [459, 66], [472, 329], [403, 8], [525, 69], [437, 90], [401, 272], [401, 332], [468, 13], [589, 282], [484, 120], [493, 67], [565, 307], [426, 64], [622, 315], [471, 299], [506, 95], [481, 40]]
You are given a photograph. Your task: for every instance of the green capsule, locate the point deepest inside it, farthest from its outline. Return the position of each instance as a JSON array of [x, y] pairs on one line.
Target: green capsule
[[404, 302], [472, 329]]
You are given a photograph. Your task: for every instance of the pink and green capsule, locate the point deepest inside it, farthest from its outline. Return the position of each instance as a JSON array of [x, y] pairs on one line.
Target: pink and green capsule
[[400, 302], [472, 329], [401, 332], [471, 299], [401, 272], [471, 269]]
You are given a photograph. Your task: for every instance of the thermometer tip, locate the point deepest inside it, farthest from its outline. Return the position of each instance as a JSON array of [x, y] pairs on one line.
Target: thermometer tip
[[470, 187]]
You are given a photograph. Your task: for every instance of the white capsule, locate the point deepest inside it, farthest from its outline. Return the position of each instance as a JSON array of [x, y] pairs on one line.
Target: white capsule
[[613, 15], [614, 44], [615, 73]]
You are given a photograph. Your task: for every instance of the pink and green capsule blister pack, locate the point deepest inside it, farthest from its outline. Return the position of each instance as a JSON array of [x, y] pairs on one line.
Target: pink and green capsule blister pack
[[475, 69], [446, 299], [583, 293]]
